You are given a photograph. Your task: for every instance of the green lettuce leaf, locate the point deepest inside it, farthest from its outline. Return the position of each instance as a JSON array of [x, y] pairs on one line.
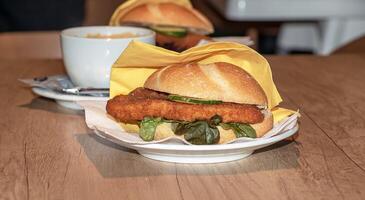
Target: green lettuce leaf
[[147, 127]]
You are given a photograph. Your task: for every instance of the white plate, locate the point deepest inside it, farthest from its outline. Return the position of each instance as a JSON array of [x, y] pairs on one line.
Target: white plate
[[66, 100], [177, 153], [174, 149]]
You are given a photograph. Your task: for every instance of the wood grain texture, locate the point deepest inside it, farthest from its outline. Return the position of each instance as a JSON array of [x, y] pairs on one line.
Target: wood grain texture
[[30, 45], [310, 168], [331, 91], [47, 152], [355, 46]]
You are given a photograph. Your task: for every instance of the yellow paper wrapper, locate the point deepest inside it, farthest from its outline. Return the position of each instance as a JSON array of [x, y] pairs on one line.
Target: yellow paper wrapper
[[140, 60], [129, 5]]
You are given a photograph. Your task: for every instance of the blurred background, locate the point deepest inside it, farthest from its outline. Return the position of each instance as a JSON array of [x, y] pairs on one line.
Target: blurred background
[[275, 26]]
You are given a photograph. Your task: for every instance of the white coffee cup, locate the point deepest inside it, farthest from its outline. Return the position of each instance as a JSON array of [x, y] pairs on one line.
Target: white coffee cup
[[88, 60]]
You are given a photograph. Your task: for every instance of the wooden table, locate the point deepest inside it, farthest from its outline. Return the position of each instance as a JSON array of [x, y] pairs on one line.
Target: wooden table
[[30, 45], [47, 152]]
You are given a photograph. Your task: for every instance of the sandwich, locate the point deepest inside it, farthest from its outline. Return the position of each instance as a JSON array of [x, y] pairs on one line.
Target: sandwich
[[202, 103], [177, 27]]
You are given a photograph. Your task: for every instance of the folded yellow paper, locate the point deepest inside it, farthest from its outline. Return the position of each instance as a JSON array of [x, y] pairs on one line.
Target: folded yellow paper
[[140, 60], [129, 5]]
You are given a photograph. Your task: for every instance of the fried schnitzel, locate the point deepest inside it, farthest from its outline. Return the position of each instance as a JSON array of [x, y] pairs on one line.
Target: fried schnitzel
[[144, 102]]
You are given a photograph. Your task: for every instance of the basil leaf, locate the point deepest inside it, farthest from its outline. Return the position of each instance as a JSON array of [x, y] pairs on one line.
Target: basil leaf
[[240, 130], [147, 128], [215, 120], [198, 132], [190, 100]]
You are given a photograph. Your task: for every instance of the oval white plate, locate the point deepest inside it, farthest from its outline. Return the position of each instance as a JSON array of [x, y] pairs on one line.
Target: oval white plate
[[66, 100], [200, 153]]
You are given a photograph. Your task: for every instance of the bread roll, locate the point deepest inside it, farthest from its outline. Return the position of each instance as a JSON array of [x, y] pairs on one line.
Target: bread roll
[[168, 14], [216, 81]]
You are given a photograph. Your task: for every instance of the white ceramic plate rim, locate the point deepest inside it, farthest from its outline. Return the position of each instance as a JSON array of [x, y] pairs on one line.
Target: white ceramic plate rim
[[220, 147]]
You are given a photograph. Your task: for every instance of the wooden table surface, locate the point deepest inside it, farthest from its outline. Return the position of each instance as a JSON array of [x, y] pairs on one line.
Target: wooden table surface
[[47, 152], [29, 45]]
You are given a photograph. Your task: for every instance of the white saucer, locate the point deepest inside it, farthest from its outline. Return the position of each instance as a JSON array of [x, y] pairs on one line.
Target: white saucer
[[66, 100]]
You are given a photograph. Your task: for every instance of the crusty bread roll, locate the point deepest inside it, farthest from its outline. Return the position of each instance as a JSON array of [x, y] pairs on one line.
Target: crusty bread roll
[[168, 14], [164, 130], [216, 81]]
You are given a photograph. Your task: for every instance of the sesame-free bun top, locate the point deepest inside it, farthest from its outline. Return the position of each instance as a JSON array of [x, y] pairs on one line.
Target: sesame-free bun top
[[168, 14], [215, 81]]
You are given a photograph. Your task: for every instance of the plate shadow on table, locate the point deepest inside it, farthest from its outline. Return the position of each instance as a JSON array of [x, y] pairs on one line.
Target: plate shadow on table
[[113, 160], [49, 105]]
